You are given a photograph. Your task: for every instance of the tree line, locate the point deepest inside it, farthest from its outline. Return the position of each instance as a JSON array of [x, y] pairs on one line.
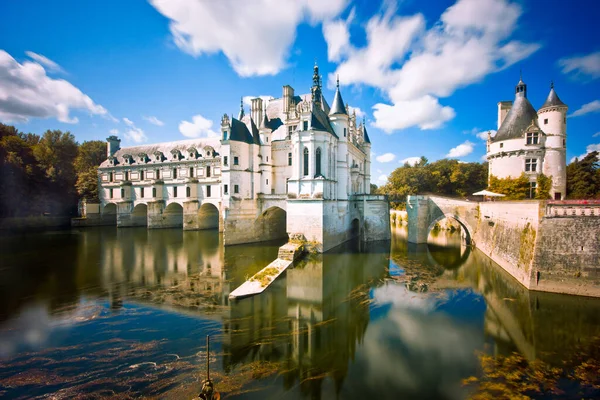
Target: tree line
[[46, 174], [458, 179]]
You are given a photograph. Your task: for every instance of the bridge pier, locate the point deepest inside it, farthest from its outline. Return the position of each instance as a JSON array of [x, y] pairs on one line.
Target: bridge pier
[[418, 219]]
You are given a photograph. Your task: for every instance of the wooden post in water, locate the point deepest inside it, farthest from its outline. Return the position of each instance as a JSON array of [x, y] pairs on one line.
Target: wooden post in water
[[208, 389]]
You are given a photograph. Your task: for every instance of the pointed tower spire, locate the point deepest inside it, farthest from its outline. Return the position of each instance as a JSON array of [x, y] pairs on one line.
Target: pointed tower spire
[[365, 134], [264, 123], [316, 87], [241, 108], [338, 104], [552, 100], [521, 88]]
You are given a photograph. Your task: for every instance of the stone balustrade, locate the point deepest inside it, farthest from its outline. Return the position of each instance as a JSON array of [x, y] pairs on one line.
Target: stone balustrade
[[572, 208]]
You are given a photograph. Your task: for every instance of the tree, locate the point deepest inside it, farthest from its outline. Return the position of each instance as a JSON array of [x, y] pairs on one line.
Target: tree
[[512, 188], [89, 156], [544, 185], [583, 178], [373, 188]]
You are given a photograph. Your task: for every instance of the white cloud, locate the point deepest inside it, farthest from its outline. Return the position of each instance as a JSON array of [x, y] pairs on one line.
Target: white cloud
[[255, 38], [27, 92], [586, 67], [596, 134], [425, 112], [385, 158], [461, 150], [45, 61], [382, 178], [359, 113], [133, 133], [483, 135], [590, 107], [248, 99], [415, 66], [154, 121], [410, 160], [199, 127], [114, 131], [588, 150]]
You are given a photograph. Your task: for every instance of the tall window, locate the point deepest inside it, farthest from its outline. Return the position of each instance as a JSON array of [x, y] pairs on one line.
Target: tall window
[[344, 132], [226, 189], [191, 172], [208, 194], [153, 192], [289, 158], [122, 193], [545, 121], [142, 193], [188, 191], [532, 189], [236, 161], [158, 174], [225, 160], [126, 175], [236, 188], [532, 138], [318, 161], [208, 171], [530, 164], [305, 125], [305, 161], [110, 193], [141, 175], [174, 173], [174, 191], [110, 176]]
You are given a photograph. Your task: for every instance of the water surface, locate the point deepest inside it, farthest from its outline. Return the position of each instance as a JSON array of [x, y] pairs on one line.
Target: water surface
[[124, 313]]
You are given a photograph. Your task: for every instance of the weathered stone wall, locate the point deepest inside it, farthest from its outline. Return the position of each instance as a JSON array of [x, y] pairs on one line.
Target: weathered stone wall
[[567, 257]]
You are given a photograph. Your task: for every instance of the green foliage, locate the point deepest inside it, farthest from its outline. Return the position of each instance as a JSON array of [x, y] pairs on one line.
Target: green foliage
[[544, 185], [46, 174], [444, 177], [583, 178], [373, 188], [89, 156], [513, 188]]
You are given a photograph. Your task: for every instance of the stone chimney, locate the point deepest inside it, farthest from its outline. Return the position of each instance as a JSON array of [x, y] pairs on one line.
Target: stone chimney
[[256, 111], [503, 109], [288, 98], [113, 144]]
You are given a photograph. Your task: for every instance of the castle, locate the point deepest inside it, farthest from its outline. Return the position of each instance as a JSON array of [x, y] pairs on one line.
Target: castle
[[531, 142], [294, 166]]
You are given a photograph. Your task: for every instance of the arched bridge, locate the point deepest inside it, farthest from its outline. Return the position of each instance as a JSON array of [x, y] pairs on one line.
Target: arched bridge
[[425, 211]]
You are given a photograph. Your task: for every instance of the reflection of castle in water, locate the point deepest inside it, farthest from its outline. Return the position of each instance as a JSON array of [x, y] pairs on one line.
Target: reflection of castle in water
[[312, 320]]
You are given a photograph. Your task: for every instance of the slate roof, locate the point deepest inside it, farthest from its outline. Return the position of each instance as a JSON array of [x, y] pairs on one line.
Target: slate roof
[[239, 132], [367, 140], [519, 118], [337, 107], [165, 148], [553, 100]]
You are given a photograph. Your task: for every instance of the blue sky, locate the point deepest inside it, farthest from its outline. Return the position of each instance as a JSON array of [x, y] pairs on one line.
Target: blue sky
[[426, 74]]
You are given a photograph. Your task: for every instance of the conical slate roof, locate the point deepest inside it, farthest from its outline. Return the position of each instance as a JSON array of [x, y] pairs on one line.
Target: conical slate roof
[[367, 140], [521, 115], [240, 132], [338, 104], [553, 100]]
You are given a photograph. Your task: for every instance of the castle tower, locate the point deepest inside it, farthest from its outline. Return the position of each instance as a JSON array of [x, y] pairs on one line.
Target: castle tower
[[338, 115], [552, 119]]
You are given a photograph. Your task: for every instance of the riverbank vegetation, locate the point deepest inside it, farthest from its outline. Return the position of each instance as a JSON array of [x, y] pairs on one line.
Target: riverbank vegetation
[[47, 174], [458, 179]]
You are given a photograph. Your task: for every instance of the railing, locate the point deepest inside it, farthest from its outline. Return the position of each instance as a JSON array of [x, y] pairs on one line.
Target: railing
[[573, 208]]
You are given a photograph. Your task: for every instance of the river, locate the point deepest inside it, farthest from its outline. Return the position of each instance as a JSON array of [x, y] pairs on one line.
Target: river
[[107, 313]]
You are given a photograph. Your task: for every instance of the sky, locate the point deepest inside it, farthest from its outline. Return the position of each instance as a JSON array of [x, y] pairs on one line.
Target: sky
[[425, 75]]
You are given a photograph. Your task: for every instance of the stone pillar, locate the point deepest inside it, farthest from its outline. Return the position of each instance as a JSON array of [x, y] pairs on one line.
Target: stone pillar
[[124, 217], [190, 215], [418, 218], [155, 214]]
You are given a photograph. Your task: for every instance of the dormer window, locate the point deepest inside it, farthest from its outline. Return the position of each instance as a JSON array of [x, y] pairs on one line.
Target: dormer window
[[143, 157], [532, 138], [176, 154], [192, 153], [158, 156], [112, 160], [128, 159]]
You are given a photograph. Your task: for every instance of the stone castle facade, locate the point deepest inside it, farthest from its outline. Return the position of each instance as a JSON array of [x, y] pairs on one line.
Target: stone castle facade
[[293, 166], [531, 142]]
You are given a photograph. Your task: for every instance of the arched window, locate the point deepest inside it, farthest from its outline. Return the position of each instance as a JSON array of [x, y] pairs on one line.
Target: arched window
[[305, 161], [318, 160], [188, 191]]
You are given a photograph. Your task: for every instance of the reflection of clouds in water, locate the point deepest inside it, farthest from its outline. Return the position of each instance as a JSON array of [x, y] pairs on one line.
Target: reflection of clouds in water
[[32, 327], [415, 347]]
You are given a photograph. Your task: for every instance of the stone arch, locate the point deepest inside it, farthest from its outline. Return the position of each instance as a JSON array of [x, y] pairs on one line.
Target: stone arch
[[271, 224], [466, 230], [453, 260], [208, 216], [139, 215], [355, 228], [173, 216]]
